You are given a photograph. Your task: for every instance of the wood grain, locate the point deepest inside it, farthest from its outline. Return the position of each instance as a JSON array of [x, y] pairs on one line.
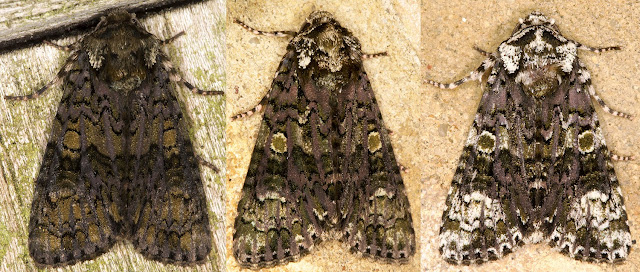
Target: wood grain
[[26, 24]]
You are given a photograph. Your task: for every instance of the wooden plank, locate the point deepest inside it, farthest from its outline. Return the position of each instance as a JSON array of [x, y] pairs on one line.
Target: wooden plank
[[25, 24], [25, 127]]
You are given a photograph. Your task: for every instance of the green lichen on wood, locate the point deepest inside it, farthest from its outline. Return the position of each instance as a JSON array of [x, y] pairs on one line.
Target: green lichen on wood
[[5, 239]]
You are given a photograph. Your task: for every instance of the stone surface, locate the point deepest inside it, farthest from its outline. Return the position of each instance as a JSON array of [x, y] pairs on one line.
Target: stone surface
[[391, 26], [450, 29]]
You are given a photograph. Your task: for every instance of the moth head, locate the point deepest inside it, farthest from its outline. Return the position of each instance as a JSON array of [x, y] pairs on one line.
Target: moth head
[[537, 55], [324, 42], [534, 19], [121, 50]]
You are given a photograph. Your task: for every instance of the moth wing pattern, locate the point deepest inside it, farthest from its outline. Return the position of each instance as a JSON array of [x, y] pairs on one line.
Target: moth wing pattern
[[74, 211], [167, 204], [322, 163], [590, 221], [278, 213], [377, 218], [535, 166], [119, 163]]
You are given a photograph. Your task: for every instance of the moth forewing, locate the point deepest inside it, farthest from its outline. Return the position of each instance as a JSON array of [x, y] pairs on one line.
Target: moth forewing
[[323, 162], [119, 162], [535, 166]]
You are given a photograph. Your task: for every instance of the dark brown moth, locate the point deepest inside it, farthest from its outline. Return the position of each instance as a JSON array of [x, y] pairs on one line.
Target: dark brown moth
[[535, 166], [323, 165], [119, 163]]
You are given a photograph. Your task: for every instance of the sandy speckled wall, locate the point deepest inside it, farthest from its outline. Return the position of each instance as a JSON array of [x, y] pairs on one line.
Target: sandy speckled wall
[[391, 26]]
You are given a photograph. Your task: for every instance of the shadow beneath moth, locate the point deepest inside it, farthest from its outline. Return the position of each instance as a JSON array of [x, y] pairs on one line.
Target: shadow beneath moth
[[323, 165], [535, 166], [119, 163]]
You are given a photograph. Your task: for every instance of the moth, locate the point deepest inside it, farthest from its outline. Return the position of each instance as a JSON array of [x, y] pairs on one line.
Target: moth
[[323, 165], [119, 163], [535, 166]]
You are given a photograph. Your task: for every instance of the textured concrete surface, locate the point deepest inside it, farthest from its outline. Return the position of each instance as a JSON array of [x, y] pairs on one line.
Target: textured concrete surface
[[25, 128], [450, 29], [391, 26]]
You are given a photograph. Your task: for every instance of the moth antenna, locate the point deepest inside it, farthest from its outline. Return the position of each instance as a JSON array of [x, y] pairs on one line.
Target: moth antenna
[[265, 33], [596, 49], [250, 112], [374, 55], [485, 53], [475, 75], [176, 77], [592, 92]]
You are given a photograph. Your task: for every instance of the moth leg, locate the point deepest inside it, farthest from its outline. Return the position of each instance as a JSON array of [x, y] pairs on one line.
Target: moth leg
[[61, 47], [170, 40], [196, 90], [65, 70], [373, 55], [596, 49], [265, 33], [176, 77], [592, 92], [35, 94], [616, 157], [207, 164], [475, 75], [250, 112]]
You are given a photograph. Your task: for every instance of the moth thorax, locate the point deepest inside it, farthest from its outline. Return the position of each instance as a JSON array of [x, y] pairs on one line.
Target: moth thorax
[[540, 80], [126, 64], [333, 52], [122, 55], [123, 70]]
